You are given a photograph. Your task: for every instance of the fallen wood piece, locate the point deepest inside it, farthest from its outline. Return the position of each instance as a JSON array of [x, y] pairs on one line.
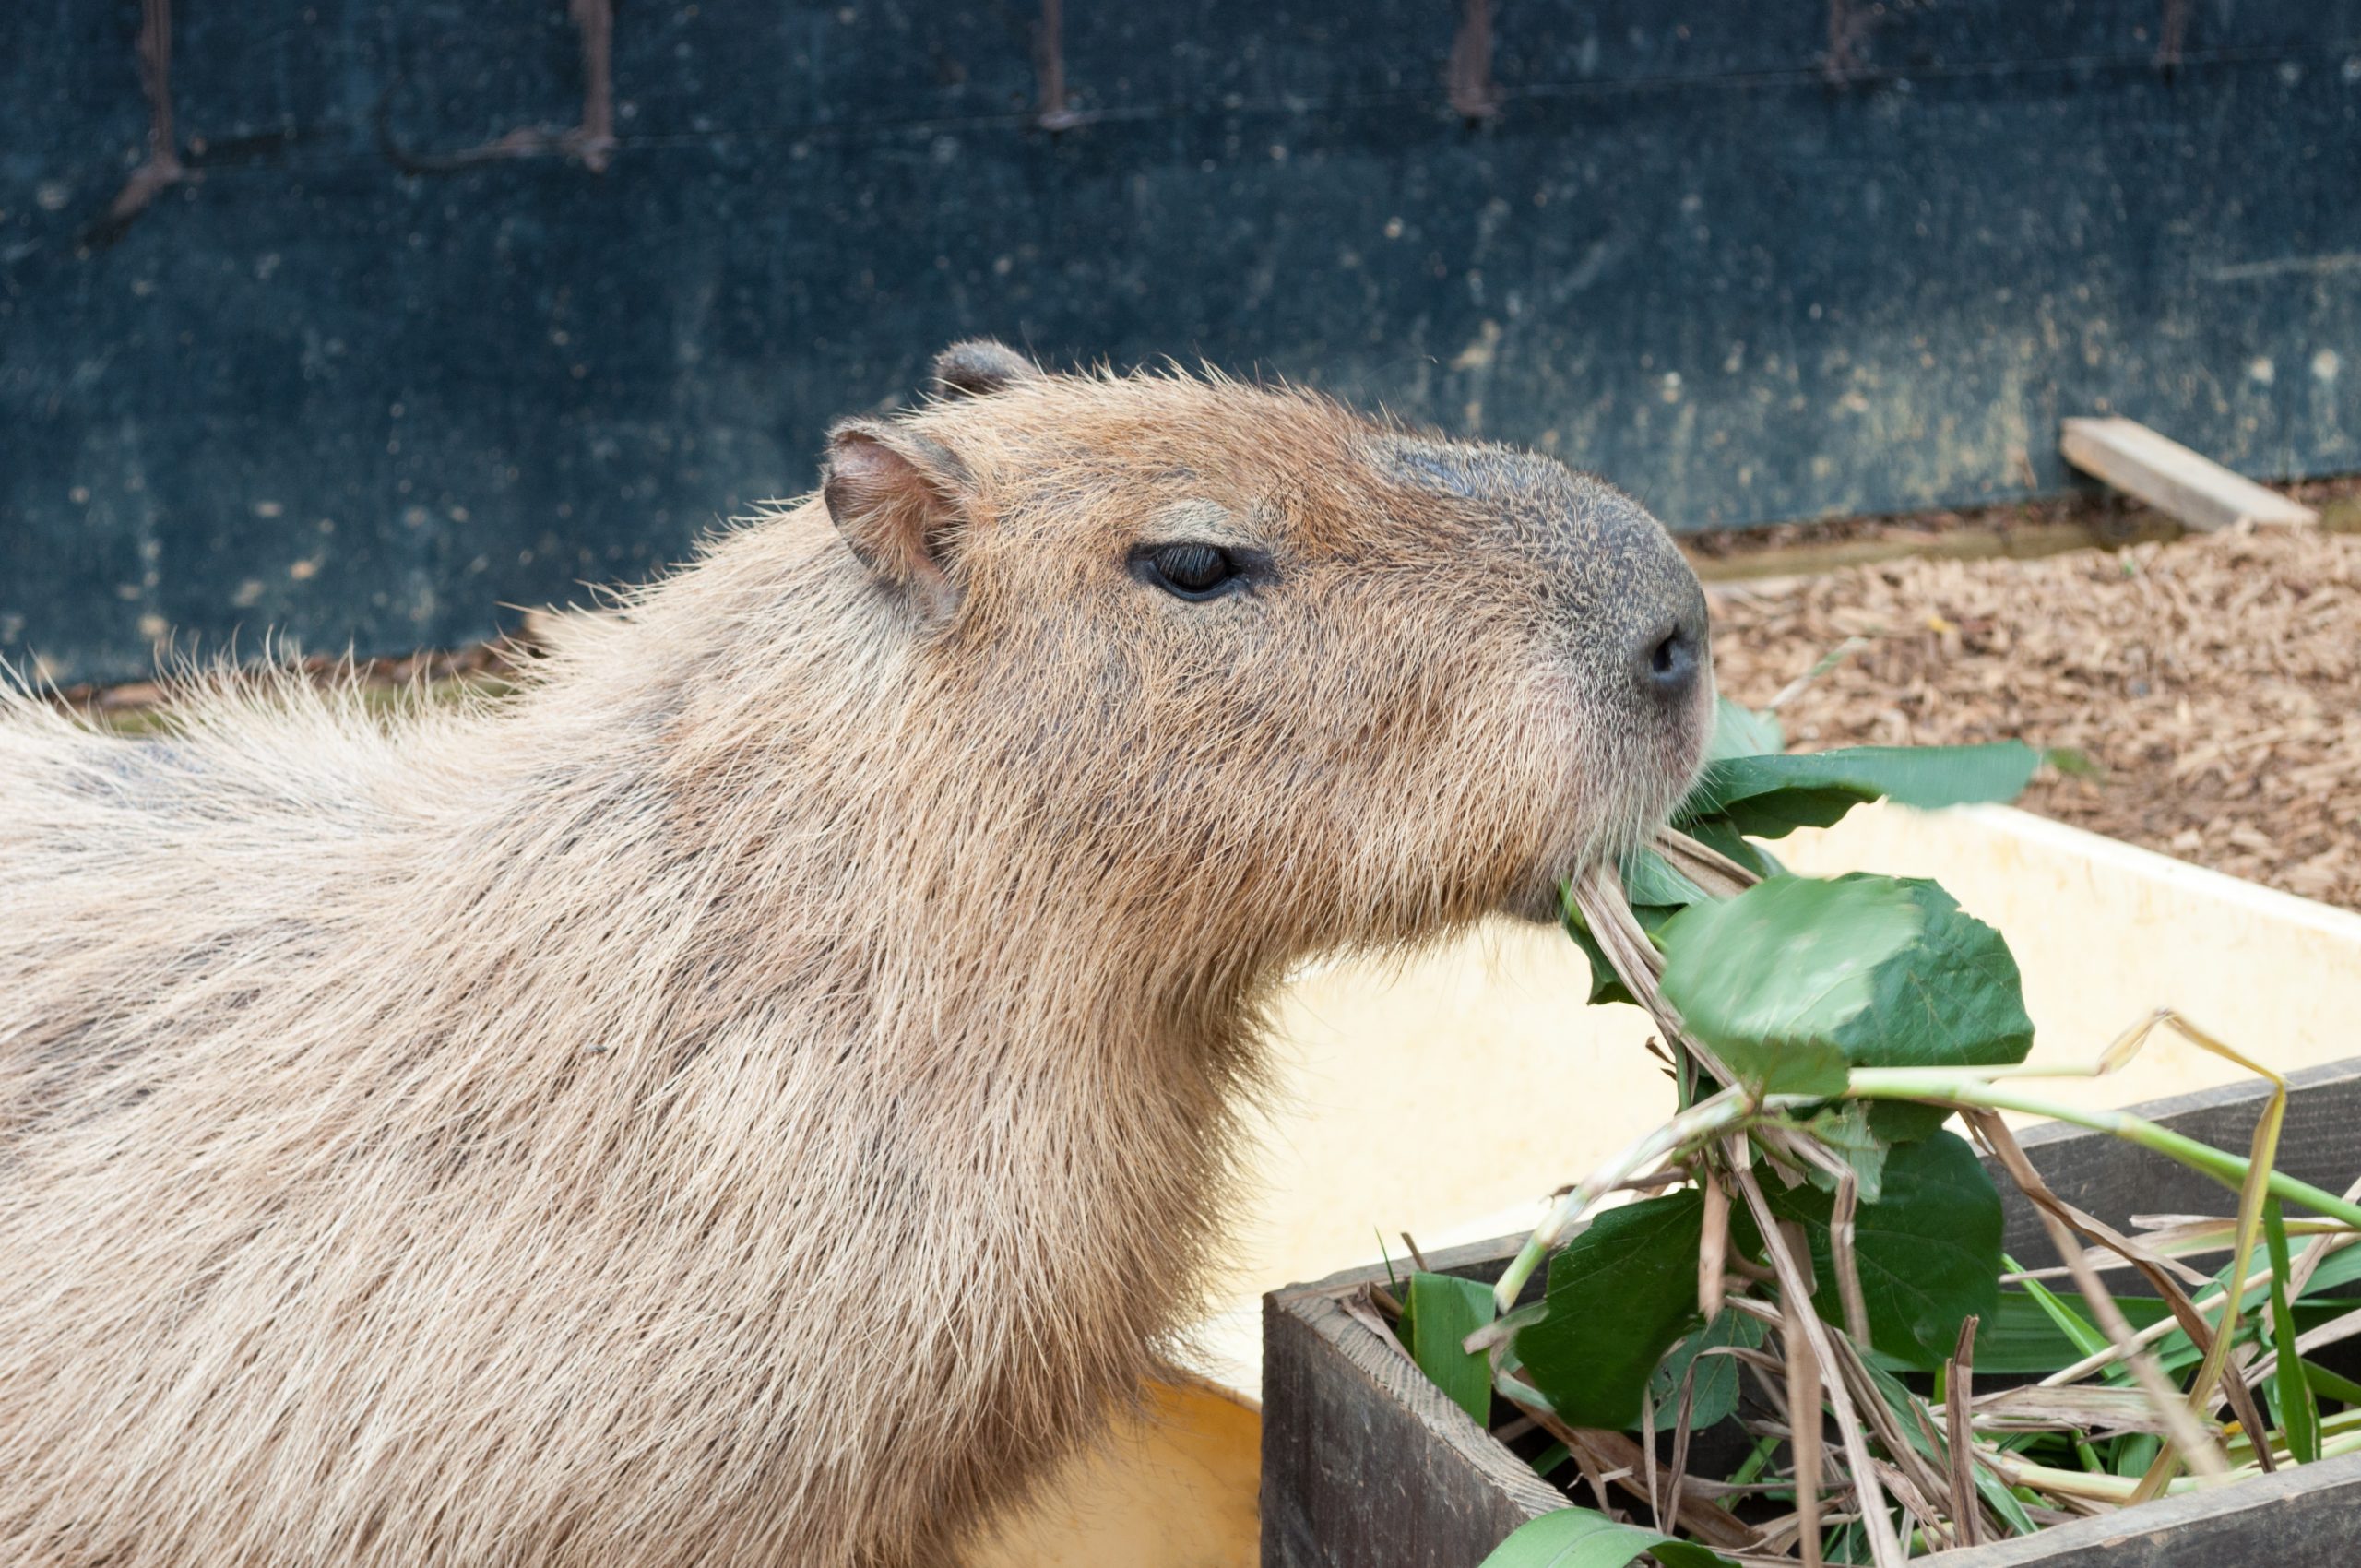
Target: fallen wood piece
[[2197, 491]]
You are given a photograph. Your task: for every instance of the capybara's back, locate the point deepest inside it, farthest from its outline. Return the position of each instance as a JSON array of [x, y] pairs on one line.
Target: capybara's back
[[760, 1093]]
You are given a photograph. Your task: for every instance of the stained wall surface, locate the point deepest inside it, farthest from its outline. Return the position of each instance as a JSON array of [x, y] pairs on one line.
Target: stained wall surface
[[364, 379]]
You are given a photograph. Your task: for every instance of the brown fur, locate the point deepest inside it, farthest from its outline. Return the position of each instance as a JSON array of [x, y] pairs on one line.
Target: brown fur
[[763, 1092]]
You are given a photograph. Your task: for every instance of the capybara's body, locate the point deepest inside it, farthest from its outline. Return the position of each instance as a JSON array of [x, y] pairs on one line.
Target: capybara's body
[[761, 1092]]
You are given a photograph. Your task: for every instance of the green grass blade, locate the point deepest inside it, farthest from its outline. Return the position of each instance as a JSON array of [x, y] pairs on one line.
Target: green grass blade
[[1751, 1466], [2136, 1452], [2326, 1385], [1915, 1420], [2300, 1416], [1444, 1309], [2343, 1267], [2085, 1335]]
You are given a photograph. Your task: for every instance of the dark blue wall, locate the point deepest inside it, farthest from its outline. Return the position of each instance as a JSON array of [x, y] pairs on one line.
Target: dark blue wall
[[313, 390]]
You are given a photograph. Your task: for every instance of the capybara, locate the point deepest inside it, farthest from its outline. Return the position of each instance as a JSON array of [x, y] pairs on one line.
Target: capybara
[[763, 1090]]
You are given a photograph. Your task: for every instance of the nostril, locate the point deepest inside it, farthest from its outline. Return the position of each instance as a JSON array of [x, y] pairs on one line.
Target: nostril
[[1672, 663]]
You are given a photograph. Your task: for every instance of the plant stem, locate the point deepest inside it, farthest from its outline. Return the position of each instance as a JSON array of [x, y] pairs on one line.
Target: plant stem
[[2119, 1488], [2161, 1328], [1948, 1084], [1819, 1357], [1701, 1120]]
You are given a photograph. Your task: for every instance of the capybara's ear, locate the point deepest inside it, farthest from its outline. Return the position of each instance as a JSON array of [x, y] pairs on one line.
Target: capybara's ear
[[897, 497], [980, 367]]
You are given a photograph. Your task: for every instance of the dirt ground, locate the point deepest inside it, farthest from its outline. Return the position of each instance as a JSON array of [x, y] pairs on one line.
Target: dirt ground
[[2213, 684]]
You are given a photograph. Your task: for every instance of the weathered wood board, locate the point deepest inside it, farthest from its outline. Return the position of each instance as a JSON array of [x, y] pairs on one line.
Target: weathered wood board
[[1367, 1456], [1366, 1465], [2182, 484], [2299, 1518]]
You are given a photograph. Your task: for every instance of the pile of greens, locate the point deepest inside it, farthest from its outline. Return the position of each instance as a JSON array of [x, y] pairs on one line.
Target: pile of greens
[[1815, 1282]]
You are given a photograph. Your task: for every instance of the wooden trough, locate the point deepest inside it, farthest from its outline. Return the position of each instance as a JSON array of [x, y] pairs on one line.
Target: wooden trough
[[1367, 1464]]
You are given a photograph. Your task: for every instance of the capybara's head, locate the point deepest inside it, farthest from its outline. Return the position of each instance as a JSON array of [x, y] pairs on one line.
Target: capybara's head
[[1256, 669]]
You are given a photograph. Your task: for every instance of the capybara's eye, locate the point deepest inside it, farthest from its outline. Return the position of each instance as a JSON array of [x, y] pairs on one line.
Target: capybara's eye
[[1192, 571]]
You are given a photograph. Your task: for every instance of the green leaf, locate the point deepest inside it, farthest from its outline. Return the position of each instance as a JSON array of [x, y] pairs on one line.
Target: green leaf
[[1847, 1132], [2326, 1385], [1957, 1001], [1443, 1311], [2006, 1503], [1769, 796], [2021, 1339], [1770, 978], [1714, 1395], [1741, 732], [1584, 1538], [2299, 1418], [1619, 1294], [1649, 878], [2135, 1451], [1798, 978], [1915, 1420], [2343, 1267], [1775, 813], [2079, 1331], [1606, 985], [1927, 1251], [1715, 832]]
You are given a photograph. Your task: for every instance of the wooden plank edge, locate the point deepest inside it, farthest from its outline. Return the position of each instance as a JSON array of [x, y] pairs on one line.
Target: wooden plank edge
[[2246, 1522], [2183, 484], [1327, 1372]]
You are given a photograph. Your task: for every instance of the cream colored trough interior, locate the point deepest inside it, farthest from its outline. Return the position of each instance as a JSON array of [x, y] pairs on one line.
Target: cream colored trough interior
[[1448, 1095]]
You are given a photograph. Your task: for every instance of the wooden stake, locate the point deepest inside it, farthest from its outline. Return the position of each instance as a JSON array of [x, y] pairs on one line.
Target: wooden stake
[[2196, 490]]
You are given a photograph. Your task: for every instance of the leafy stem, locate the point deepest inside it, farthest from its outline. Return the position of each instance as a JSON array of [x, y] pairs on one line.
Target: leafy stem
[[1948, 1087], [1701, 1124]]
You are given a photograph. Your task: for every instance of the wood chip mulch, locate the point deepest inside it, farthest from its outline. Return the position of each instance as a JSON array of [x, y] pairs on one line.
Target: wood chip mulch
[[2214, 683]]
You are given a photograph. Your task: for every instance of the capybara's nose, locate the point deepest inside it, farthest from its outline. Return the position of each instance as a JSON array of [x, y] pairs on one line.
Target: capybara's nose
[[1667, 660]]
